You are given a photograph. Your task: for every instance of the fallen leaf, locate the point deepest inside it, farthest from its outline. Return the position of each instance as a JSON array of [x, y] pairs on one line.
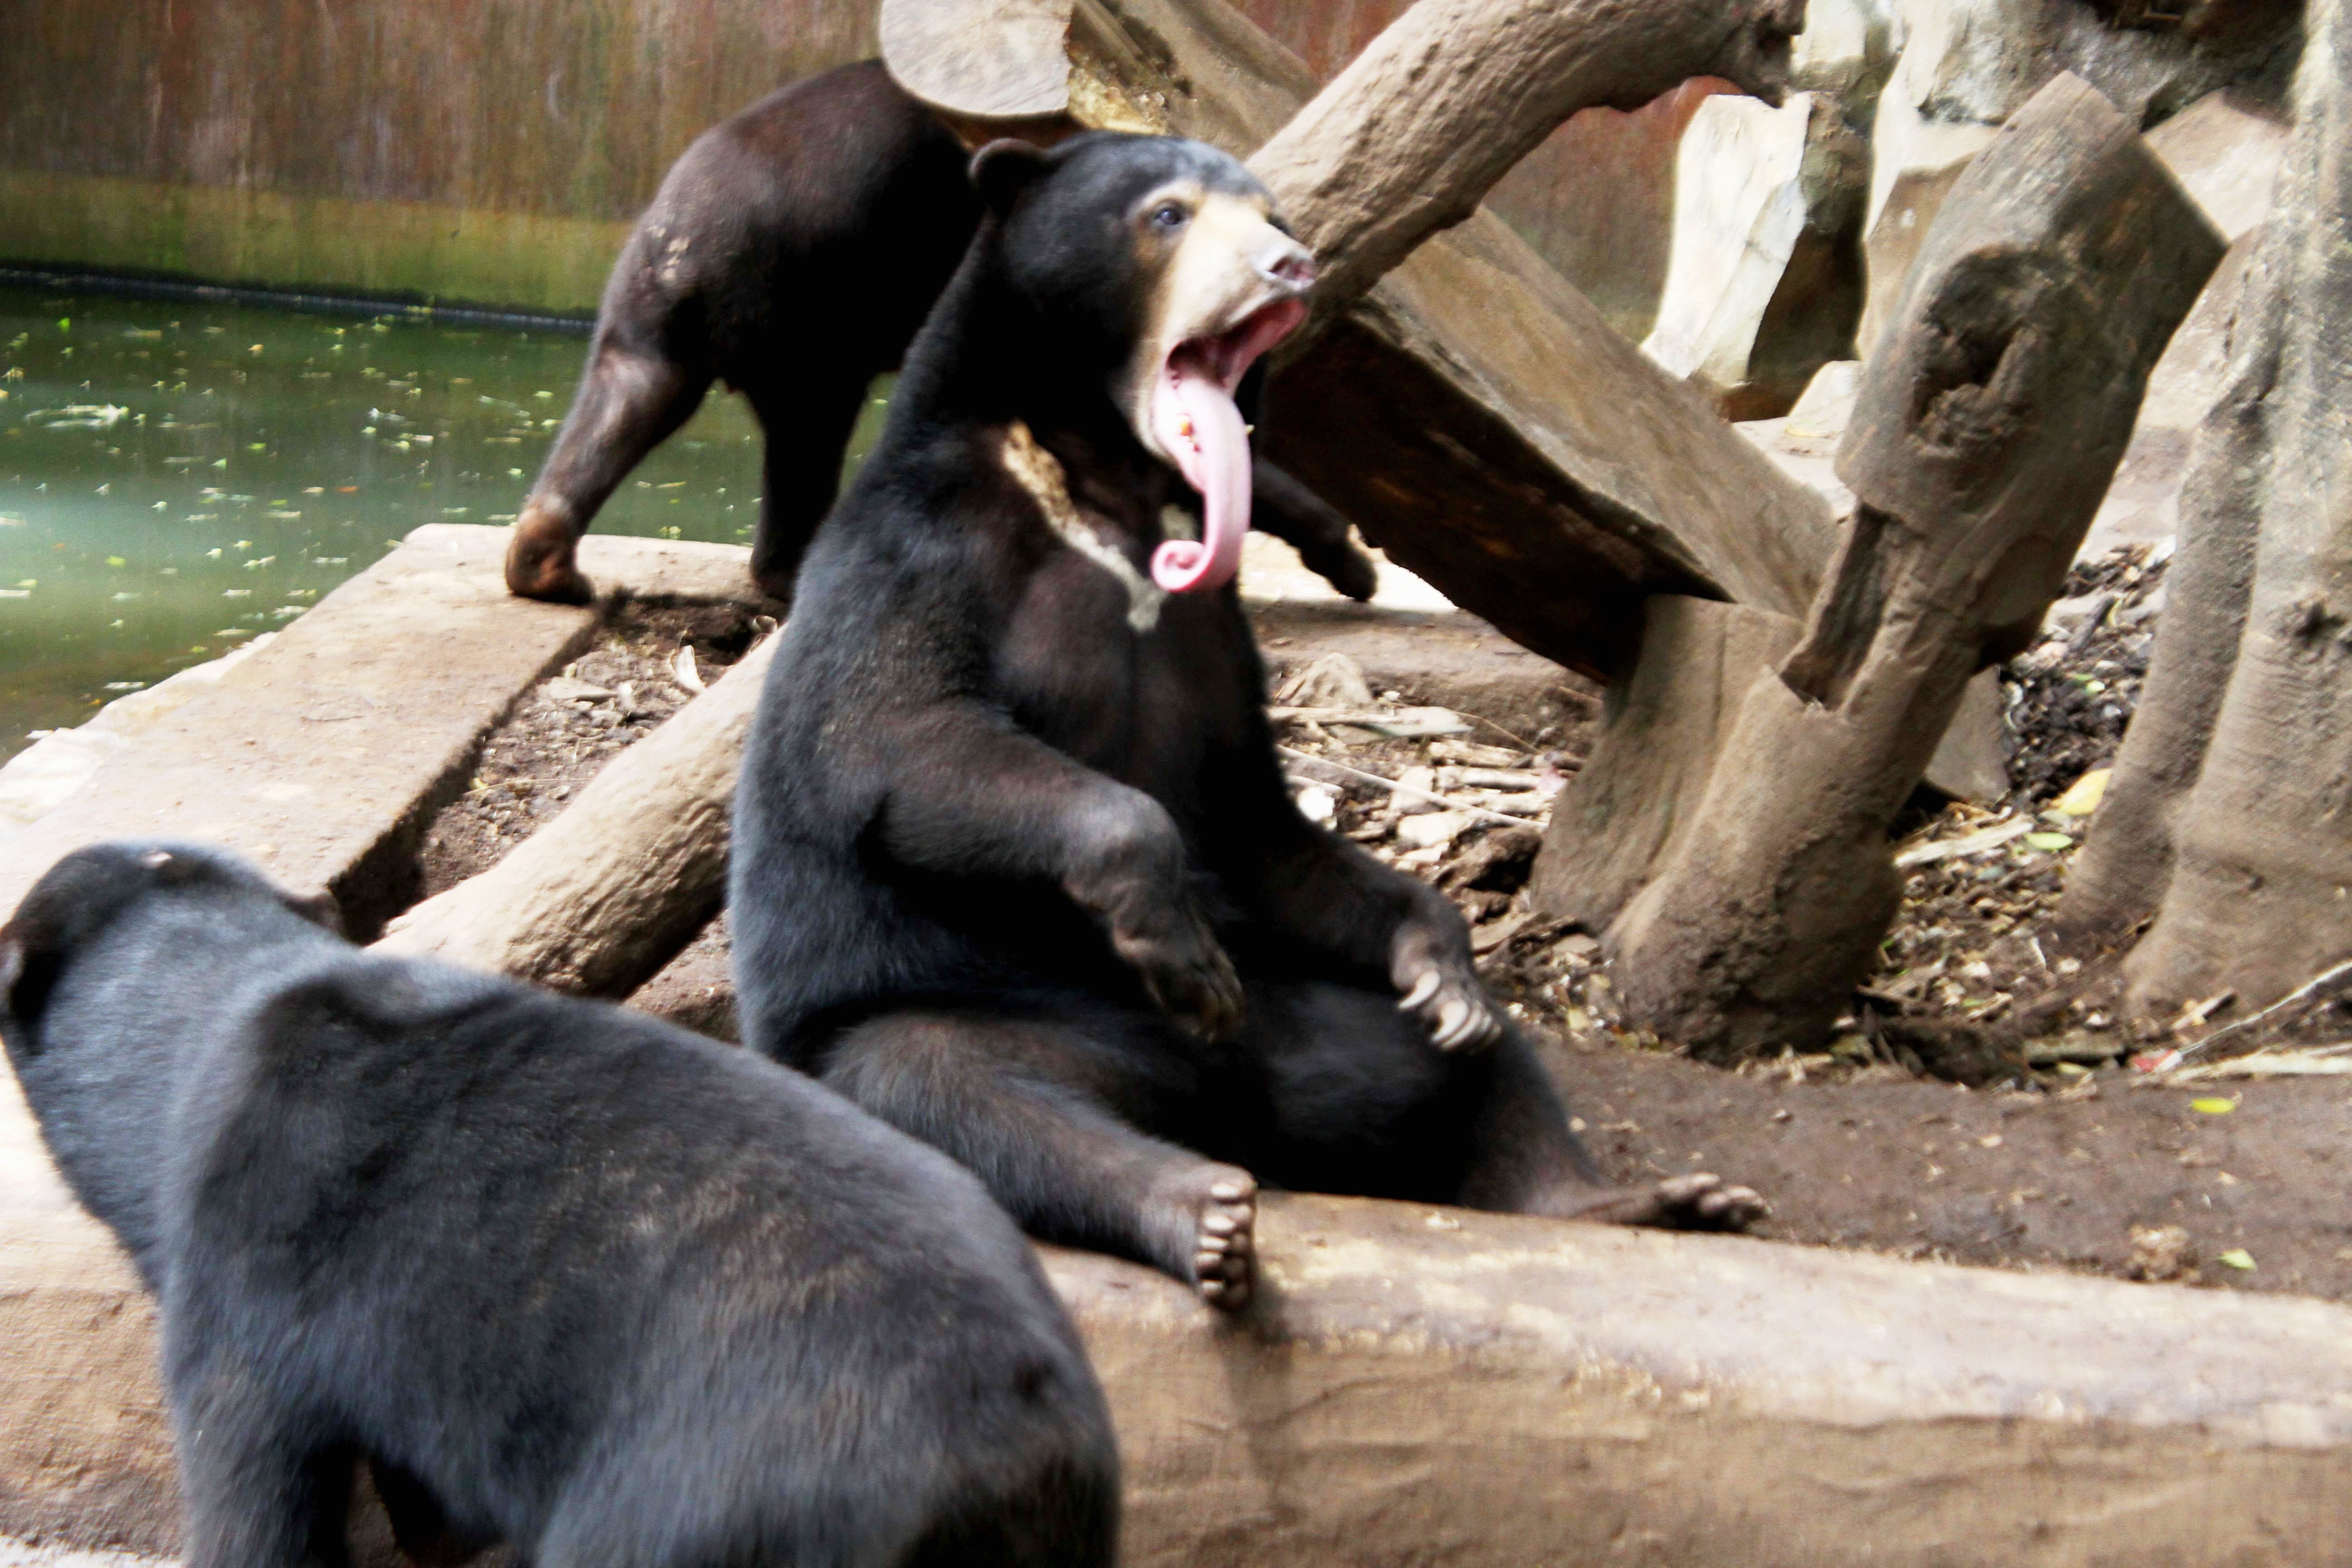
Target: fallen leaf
[[2084, 796], [2238, 1257], [2052, 842], [2214, 1105]]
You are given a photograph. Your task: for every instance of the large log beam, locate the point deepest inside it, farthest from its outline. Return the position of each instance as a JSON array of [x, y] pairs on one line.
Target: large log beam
[[1990, 420], [600, 898], [1419, 1385], [1413, 134], [1472, 412]]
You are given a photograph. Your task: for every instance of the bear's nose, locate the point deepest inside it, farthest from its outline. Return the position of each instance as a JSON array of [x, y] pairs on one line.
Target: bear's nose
[[1287, 263]]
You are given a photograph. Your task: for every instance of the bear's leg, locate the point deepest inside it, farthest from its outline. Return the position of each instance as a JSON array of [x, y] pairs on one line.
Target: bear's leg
[[1363, 1104], [808, 430], [1283, 507], [256, 1496], [630, 401], [1033, 1107]]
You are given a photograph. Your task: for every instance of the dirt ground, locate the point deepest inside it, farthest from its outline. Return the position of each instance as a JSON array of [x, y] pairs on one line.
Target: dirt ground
[[567, 727], [2053, 1150]]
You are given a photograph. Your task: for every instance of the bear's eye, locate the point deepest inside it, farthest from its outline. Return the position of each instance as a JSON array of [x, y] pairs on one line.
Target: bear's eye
[[1168, 215]]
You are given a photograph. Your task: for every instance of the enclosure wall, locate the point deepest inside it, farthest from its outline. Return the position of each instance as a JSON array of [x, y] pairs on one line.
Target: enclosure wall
[[493, 152]]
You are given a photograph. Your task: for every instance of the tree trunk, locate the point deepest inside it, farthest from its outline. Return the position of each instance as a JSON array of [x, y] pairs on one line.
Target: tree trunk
[[600, 898], [2237, 829], [1989, 423]]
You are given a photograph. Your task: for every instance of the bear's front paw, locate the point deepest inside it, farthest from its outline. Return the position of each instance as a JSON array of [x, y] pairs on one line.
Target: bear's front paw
[[1444, 992], [1187, 975]]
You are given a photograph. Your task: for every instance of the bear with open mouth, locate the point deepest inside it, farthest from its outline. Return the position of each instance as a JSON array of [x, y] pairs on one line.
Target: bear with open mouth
[[792, 253], [1015, 867]]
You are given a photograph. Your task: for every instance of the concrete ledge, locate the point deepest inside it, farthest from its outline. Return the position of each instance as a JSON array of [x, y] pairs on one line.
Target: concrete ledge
[[323, 754], [1422, 1386]]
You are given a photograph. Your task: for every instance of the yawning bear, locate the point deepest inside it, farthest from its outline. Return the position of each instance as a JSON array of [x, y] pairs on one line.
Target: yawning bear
[[1015, 867]]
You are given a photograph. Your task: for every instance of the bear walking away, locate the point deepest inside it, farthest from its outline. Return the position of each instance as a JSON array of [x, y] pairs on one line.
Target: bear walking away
[[563, 1275], [1015, 866], [792, 252]]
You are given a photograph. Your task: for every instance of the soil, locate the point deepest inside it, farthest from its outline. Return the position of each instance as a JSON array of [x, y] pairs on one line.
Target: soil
[[2051, 1150], [559, 733]]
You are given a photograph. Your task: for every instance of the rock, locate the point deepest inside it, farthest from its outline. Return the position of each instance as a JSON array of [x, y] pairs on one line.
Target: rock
[[1761, 288], [1804, 443], [1847, 51], [570, 688], [2161, 1253], [1972, 762], [1431, 828], [1915, 163], [2228, 156], [1597, 201], [1969, 65], [1333, 680]]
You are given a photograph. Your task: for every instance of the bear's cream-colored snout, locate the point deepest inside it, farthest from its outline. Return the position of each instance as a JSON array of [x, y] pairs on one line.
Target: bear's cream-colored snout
[[1227, 286]]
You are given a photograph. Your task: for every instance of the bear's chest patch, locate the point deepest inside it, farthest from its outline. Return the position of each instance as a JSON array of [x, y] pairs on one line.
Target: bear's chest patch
[[1039, 472]]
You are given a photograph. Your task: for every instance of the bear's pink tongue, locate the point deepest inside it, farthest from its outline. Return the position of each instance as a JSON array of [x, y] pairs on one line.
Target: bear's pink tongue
[[1197, 424]]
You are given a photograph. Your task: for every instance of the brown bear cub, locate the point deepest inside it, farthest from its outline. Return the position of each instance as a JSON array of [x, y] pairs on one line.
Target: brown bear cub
[[1015, 867], [565, 1276], [790, 252]]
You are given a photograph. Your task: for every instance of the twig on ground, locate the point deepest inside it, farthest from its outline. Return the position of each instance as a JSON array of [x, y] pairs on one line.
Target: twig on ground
[[1392, 786], [2299, 994]]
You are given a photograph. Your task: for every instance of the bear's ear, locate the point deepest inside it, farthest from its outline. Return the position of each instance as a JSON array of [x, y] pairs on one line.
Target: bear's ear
[[1004, 169], [28, 973]]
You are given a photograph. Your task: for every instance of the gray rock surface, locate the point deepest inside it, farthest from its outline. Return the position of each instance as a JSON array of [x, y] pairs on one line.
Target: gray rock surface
[[1761, 284]]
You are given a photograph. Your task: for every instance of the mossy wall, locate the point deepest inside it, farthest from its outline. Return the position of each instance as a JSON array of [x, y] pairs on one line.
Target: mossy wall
[[493, 152], [488, 151]]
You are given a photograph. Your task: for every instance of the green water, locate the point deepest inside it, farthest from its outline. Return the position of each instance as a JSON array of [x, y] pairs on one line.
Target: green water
[[176, 477]]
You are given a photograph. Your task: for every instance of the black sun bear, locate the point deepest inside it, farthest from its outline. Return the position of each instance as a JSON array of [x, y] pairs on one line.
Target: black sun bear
[[790, 252], [564, 1275], [1015, 867]]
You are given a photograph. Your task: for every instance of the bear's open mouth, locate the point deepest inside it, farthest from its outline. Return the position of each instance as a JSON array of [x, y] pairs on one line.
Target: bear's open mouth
[[1197, 425]]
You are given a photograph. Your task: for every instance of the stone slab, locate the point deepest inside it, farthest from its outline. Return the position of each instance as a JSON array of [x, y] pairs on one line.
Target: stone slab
[[322, 753]]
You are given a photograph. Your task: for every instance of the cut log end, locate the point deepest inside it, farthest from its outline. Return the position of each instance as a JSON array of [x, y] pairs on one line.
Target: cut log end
[[984, 60]]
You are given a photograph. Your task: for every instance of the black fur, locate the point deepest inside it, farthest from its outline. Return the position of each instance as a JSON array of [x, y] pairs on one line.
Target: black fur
[[567, 1277], [994, 848], [792, 252]]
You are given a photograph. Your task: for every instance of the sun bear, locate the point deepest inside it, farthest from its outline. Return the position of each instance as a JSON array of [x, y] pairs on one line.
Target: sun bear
[[564, 1275], [1014, 864], [790, 252]]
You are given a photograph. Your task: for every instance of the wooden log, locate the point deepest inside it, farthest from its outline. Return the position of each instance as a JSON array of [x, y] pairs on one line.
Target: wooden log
[[1413, 134], [2230, 826], [1989, 423], [1473, 413], [1632, 806], [1636, 797], [600, 898]]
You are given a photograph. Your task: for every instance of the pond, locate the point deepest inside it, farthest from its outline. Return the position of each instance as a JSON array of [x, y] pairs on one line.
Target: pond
[[177, 477]]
